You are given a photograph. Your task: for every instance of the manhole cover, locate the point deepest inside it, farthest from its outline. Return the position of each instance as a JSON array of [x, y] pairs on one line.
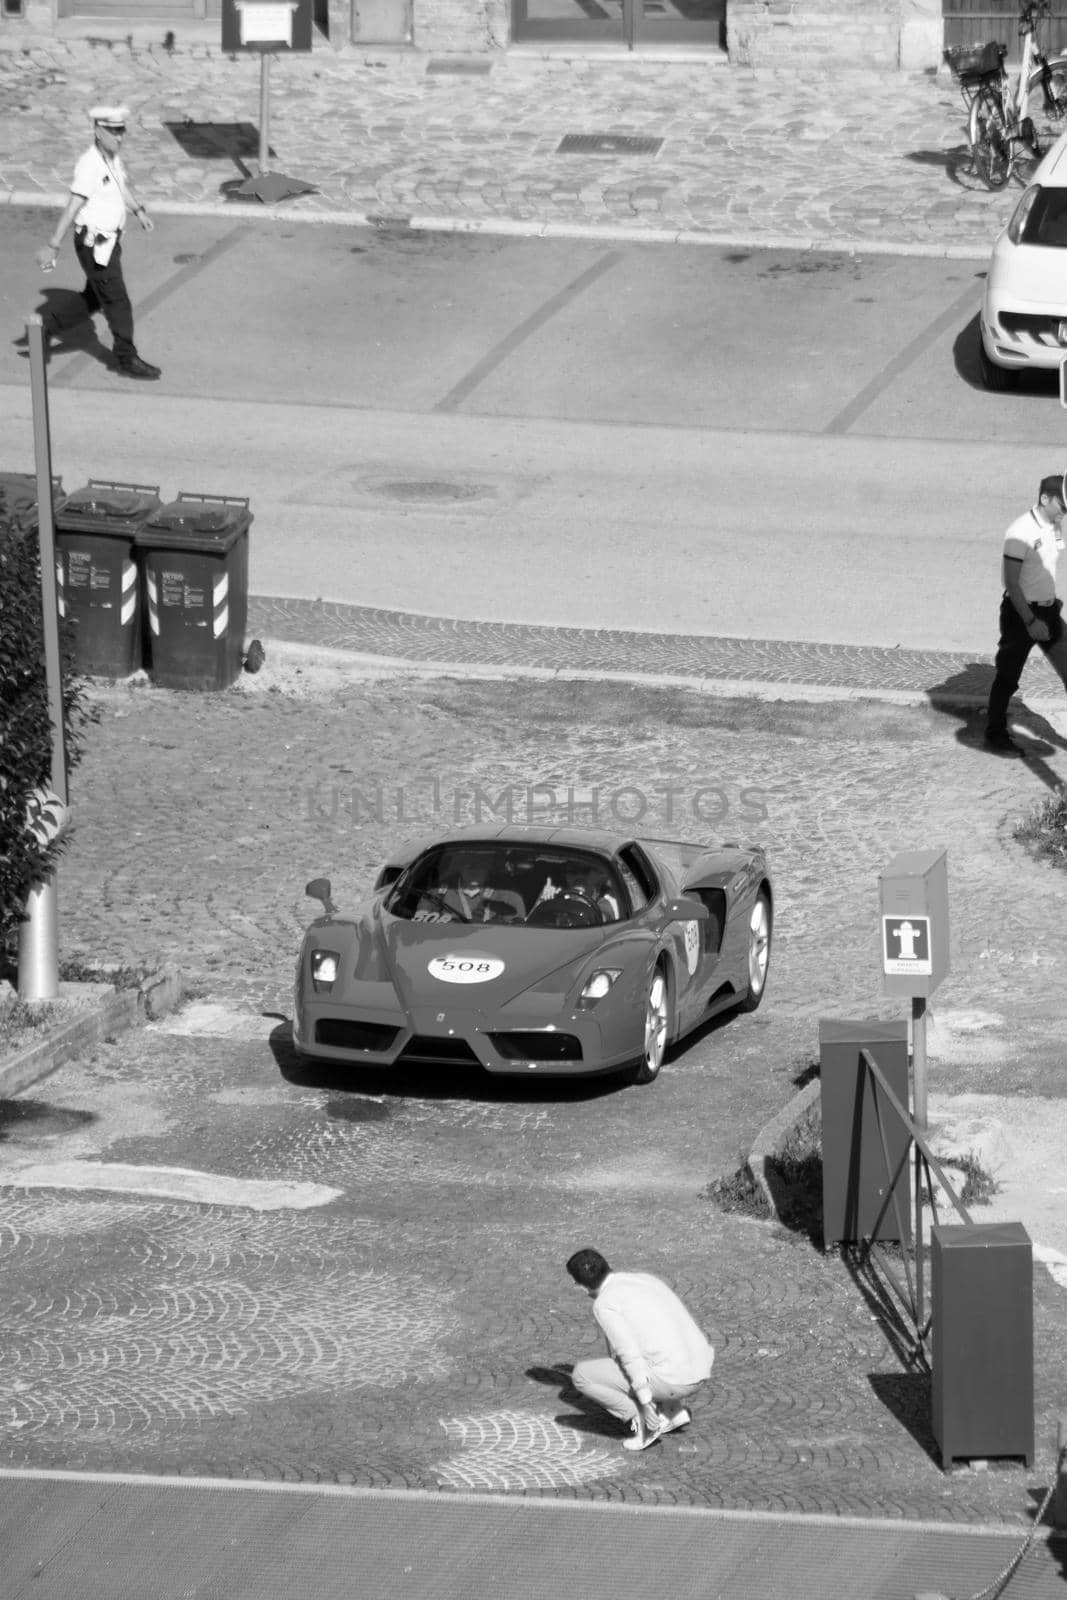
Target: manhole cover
[[459, 65], [608, 144], [357, 1110], [431, 489]]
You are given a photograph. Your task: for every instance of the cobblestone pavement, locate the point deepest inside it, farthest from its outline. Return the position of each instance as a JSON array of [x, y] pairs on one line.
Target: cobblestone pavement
[[414, 1331], [417, 1332], [863, 160], [403, 636]]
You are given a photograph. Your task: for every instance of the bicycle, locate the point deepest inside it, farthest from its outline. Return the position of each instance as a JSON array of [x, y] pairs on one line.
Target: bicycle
[[1002, 119]]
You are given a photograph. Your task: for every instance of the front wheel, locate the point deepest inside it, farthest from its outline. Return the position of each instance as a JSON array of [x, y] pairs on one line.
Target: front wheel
[[657, 1028], [997, 379], [990, 144], [760, 925], [1048, 111]]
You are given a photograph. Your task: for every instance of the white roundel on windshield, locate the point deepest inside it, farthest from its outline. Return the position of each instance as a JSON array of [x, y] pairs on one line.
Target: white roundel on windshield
[[465, 969]]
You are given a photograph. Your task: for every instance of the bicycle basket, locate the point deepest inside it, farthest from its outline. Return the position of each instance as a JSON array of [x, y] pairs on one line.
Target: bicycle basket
[[970, 62]]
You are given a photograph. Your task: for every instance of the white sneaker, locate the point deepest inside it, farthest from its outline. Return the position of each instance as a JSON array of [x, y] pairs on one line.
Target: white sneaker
[[681, 1419], [642, 1438]]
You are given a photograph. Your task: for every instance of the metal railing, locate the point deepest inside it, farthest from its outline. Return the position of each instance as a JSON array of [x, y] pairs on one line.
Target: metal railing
[[911, 1294]]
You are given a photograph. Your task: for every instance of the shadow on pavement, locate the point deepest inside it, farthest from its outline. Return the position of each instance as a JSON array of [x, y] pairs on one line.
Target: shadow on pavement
[[908, 1399], [77, 335], [1034, 734], [29, 1120], [957, 164]]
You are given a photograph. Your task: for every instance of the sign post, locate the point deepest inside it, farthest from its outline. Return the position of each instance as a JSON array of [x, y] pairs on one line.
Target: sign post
[[267, 27], [915, 957]]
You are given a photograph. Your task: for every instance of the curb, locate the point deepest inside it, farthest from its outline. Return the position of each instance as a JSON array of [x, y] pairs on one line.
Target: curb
[[771, 1138], [613, 232], [115, 1011]]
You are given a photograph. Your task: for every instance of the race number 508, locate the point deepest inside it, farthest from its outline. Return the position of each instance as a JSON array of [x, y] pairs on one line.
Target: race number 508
[[465, 969]]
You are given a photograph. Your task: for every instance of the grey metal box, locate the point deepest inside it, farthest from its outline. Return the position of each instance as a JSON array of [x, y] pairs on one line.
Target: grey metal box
[[982, 1302], [857, 1190]]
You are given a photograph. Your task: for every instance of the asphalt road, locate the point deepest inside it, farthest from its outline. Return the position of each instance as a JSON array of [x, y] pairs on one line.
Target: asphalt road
[[447, 424]]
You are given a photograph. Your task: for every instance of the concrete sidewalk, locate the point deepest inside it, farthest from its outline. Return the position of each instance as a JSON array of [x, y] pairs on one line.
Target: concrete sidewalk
[[861, 161], [78, 1538]]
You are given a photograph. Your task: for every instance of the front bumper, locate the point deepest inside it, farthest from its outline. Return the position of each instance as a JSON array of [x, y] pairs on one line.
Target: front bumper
[[1021, 337], [571, 1046]]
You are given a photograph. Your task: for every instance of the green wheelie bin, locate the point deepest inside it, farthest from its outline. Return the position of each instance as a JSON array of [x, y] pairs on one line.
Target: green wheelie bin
[[194, 554], [96, 568]]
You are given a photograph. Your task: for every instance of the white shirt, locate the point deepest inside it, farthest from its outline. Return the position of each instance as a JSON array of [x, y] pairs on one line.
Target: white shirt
[[102, 181], [1035, 543], [649, 1330]]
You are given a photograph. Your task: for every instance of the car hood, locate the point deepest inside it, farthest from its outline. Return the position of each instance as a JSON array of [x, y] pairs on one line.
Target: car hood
[[477, 968]]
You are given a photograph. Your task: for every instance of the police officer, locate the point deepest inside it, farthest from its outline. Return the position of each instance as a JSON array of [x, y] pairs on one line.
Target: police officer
[[101, 198], [1030, 608]]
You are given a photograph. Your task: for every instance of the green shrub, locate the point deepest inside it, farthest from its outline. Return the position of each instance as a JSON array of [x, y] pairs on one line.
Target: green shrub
[[25, 727], [1045, 830]]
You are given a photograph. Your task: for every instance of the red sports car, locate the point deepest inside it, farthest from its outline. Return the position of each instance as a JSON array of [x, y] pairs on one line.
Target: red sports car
[[547, 950]]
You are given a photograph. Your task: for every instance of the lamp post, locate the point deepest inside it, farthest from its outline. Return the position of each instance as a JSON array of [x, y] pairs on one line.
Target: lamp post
[[47, 812]]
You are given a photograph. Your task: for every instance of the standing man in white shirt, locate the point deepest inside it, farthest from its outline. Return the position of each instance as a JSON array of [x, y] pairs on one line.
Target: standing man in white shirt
[[101, 198], [1030, 610], [657, 1351]]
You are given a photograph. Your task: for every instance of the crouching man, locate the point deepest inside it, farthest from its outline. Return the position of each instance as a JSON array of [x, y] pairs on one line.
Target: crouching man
[[658, 1355]]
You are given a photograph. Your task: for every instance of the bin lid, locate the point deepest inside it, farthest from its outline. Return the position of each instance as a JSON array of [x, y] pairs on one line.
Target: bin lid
[[208, 527], [106, 508]]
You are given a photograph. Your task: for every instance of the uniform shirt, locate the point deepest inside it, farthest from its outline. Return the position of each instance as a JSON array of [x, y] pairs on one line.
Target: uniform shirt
[[1035, 543], [103, 183], [649, 1330]]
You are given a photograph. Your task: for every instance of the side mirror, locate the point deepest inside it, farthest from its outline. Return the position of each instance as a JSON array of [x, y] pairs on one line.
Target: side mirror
[[319, 889], [686, 910]]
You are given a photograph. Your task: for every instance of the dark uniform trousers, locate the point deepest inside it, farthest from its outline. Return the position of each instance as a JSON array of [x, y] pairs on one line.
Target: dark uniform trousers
[[105, 291], [1013, 653]]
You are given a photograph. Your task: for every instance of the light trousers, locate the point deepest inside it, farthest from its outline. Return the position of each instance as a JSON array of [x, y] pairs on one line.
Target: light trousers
[[604, 1381]]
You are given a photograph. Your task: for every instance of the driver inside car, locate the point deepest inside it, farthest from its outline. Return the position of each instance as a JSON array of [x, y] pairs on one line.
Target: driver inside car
[[474, 899]]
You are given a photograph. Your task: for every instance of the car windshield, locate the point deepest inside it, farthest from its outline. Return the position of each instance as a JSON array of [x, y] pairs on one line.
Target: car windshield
[[536, 886], [1046, 220]]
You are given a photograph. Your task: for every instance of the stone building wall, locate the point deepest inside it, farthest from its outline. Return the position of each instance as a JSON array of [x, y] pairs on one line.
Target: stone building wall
[[814, 34]]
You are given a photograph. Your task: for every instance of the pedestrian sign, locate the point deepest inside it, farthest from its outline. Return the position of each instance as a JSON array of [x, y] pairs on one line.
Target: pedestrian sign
[[914, 922], [906, 945]]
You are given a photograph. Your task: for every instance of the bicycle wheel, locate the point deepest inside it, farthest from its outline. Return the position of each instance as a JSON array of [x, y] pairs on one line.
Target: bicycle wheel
[[990, 144], [1048, 112]]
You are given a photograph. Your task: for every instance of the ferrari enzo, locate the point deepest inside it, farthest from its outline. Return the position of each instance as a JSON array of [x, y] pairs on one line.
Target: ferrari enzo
[[546, 950]]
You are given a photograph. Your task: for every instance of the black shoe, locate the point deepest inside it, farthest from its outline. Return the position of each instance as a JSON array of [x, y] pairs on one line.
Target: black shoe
[[134, 367], [1000, 740]]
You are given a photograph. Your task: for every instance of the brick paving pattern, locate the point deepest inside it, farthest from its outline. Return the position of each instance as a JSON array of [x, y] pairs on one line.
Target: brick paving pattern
[[407, 636], [873, 161]]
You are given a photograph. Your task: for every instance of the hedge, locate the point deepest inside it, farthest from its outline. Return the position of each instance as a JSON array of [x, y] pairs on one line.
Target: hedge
[[26, 727]]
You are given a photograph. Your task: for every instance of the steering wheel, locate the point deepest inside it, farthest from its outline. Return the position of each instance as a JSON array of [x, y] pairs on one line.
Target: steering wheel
[[568, 909]]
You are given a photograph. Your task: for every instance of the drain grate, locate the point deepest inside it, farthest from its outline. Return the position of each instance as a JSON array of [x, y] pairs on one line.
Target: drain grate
[[608, 144], [458, 64]]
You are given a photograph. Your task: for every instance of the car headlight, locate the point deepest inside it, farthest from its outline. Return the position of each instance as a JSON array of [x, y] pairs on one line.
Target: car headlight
[[1021, 214], [598, 984], [324, 968]]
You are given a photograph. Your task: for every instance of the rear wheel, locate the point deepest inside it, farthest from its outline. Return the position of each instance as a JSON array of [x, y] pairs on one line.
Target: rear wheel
[[760, 925], [990, 145], [657, 1028]]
